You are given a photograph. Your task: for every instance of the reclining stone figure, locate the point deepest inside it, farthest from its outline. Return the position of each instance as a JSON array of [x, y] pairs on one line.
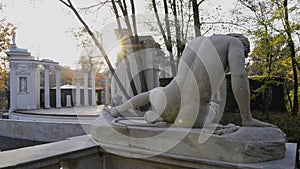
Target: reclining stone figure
[[200, 58]]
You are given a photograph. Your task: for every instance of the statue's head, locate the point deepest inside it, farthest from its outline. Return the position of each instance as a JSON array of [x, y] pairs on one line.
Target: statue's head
[[244, 40]]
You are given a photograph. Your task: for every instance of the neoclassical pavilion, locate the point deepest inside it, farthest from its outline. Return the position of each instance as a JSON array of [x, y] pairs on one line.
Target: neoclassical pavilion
[[25, 80], [25, 83]]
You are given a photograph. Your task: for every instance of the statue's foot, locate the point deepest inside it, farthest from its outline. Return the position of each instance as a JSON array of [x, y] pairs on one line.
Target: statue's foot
[[112, 111], [152, 117], [257, 123]]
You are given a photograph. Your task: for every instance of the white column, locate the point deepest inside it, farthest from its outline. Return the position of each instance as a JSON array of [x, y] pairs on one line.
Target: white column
[[93, 74], [13, 86], [78, 102], [106, 87], [86, 88], [47, 87], [58, 91]]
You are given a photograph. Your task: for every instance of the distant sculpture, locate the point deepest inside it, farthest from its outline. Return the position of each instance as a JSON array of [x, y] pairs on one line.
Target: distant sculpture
[[231, 51], [23, 85]]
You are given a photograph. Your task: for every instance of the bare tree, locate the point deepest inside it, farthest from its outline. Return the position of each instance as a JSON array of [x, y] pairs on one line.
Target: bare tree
[[166, 37], [120, 32], [177, 29], [196, 15], [134, 39], [69, 4]]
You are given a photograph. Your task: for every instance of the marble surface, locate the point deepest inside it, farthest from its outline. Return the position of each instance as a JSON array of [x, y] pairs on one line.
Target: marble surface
[[246, 145]]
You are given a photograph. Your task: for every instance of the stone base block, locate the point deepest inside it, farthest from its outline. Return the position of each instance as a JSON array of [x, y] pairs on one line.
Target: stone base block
[[246, 145], [171, 161]]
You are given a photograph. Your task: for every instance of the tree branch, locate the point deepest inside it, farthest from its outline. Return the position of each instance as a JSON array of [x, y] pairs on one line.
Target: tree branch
[[120, 5], [251, 7], [114, 7], [65, 3], [199, 3], [162, 31], [101, 4]]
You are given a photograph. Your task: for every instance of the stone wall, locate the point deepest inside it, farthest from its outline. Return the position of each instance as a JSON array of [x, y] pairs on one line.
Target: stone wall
[[41, 131]]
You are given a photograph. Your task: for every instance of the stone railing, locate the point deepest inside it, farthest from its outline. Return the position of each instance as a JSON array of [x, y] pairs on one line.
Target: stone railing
[[74, 153], [41, 131]]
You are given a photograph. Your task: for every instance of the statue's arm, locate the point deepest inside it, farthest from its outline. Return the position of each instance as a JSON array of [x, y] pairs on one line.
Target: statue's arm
[[239, 79], [240, 85]]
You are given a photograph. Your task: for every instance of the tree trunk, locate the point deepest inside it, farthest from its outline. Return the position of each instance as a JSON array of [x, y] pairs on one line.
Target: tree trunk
[[288, 95], [135, 47], [291, 46], [166, 41], [177, 29], [197, 24], [132, 84], [117, 15], [169, 45]]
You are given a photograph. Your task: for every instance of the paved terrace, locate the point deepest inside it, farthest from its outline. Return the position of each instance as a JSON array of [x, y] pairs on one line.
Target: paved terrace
[[73, 111], [86, 114], [49, 125]]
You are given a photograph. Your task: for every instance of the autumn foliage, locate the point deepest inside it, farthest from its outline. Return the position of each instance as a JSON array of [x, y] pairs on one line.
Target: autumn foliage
[[6, 31]]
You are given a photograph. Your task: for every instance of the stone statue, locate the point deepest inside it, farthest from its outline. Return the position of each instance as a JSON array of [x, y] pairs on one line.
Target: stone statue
[[188, 101], [200, 55], [23, 85]]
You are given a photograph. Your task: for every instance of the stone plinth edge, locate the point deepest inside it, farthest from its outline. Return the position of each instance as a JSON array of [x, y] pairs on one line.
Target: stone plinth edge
[[246, 145]]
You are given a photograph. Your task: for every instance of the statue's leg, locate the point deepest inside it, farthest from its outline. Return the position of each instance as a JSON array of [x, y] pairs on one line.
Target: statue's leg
[[208, 112], [112, 111], [152, 117], [136, 101]]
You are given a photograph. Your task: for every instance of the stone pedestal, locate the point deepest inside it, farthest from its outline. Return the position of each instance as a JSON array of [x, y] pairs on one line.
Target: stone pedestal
[[68, 101], [170, 161], [245, 146]]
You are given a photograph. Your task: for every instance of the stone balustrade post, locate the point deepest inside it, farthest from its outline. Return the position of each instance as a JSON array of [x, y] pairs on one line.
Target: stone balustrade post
[[93, 75], [47, 87], [78, 102], [58, 90], [86, 88], [107, 87]]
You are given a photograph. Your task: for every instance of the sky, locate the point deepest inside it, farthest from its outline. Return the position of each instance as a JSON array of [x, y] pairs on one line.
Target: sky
[[43, 27]]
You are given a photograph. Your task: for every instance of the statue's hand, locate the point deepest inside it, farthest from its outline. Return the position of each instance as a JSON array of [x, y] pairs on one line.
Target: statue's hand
[[257, 123], [112, 111]]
